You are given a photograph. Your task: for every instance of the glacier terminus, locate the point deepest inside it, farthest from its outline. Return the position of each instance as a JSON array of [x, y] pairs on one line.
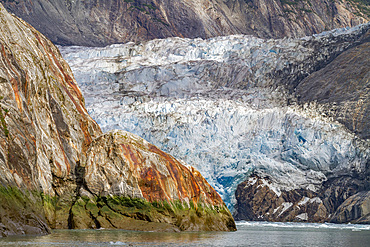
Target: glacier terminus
[[229, 106]]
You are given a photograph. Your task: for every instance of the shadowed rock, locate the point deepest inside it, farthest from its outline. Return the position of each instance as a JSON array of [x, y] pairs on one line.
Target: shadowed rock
[[340, 200], [355, 209], [342, 89]]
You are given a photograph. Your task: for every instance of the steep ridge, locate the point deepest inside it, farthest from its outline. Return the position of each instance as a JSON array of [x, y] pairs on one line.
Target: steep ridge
[[342, 89], [258, 200], [39, 149], [55, 161], [234, 107], [103, 22]]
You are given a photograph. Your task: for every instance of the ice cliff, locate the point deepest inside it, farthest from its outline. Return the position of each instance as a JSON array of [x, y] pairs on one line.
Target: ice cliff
[[226, 105]]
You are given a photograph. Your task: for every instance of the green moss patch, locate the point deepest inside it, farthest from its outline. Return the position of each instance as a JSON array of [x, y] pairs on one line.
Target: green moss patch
[[2, 120], [21, 212], [139, 214], [40, 210]]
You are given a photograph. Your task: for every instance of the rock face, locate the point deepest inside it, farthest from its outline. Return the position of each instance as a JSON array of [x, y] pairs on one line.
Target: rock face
[[338, 201], [258, 199], [129, 183], [52, 153], [121, 166], [103, 22], [354, 209], [44, 125], [342, 89]]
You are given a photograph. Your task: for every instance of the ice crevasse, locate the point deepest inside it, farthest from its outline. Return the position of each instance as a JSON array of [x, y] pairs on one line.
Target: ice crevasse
[[224, 105]]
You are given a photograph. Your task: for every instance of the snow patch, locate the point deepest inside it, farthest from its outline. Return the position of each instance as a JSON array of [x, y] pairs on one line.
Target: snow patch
[[276, 209], [305, 200], [303, 216], [286, 206], [268, 183], [251, 181]]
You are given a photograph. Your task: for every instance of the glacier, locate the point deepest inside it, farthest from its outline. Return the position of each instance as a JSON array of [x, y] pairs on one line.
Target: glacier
[[224, 105]]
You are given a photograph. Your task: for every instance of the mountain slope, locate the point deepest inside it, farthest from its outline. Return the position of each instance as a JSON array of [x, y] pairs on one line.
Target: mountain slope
[[103, 22], [52, 156], [342, 89]]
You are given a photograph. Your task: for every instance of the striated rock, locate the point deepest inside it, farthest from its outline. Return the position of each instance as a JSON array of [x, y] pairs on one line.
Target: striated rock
[[49, 149], [336, 190], [338, 201], [356, 209], [44, 125], [99, 23], [259, 198]]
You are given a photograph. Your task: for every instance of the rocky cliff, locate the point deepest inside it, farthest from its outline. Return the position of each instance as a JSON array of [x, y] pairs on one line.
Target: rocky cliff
[[339, 200], [57, 168], [103, 22], [238, 105]]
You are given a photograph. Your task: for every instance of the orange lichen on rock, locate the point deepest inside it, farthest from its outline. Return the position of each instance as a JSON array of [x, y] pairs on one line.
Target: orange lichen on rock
[[11, 72], [16, 93], [152, 186], [161, 177], [47, 119], [122, 165]]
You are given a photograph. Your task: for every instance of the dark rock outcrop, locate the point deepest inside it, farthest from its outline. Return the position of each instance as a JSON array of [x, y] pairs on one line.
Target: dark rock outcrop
[[59, 171], [341, 200], [258, 199], [355, 209], [98, 23]]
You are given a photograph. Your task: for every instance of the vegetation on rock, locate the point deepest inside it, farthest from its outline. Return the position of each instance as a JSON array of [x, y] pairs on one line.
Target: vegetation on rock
[[21, 212], [138, 214]]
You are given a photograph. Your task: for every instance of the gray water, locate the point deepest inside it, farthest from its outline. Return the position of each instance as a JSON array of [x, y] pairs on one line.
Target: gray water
[[248, 234]]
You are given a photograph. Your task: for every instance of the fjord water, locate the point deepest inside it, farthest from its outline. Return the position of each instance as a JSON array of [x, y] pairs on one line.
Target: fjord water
[[248, 234]]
